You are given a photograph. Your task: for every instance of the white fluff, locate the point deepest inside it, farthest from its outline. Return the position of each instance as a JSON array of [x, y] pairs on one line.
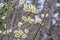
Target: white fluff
[[54, 21], [58, 4], [28, 1], [41, 2], [39, 8], [56, 15], [36, 17]]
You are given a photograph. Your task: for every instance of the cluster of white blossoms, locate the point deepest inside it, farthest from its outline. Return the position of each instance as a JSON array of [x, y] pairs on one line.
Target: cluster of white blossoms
[[36, 20], [44, 15], [5, 32], [55, 18], [21, 33], [29, 19], [29, 8]]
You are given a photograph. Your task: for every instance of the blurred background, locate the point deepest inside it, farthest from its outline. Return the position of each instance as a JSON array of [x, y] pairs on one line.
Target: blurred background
[[12, 27]]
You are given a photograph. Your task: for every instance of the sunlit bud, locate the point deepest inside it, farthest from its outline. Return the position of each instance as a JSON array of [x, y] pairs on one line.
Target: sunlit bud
[[26, 30], [20, 24], [3, 17], [32, 20], [42, 15], [9, 31], [0, 31], [46, 15], [17, 35], [24, 18], [24, 36], [21, 32], [29, 19], [15, 32], [34, 10], [38, 20], [26, 8], [42, 24], [1, 5]]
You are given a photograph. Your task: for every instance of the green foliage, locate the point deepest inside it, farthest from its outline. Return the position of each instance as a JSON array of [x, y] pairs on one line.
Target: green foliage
[[1, 26], [6, 0], [58, 0], [8, 5]]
